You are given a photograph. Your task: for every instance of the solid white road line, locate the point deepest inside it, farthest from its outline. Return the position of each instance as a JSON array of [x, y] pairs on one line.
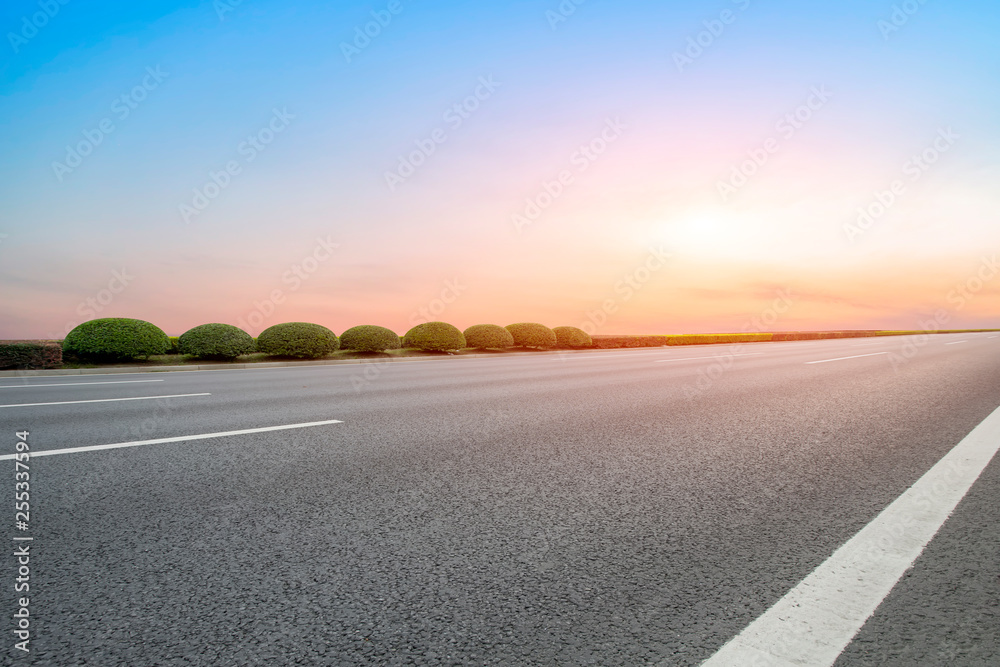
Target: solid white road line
[[183, 438], [715, 356], [956, 342], [856, 356], [817, 619], [72, 384], [99, 400]]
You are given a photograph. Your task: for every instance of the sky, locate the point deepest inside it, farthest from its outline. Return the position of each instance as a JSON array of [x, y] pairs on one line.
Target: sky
[[625, 167]]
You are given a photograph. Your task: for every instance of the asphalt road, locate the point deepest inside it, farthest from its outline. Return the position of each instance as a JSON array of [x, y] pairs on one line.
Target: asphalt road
[[610, 508]]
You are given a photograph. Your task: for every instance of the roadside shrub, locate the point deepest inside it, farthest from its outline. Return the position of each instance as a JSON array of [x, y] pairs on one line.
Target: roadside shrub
[[710, 339], [607, 342], [30, 354], [175, 345], [572, 337], [797, 335], [298, 339], [483, 336], [434, 336], [116, 338], [531, 334], [369, 338], [216, 341]]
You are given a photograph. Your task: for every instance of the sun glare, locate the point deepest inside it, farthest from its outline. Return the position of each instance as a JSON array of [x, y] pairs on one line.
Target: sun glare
[[706, 235]]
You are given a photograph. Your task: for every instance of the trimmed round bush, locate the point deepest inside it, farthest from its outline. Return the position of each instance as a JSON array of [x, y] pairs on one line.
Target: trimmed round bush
[[369, 338], [216, 341], [572, 337], [434, 336], [484, 336], [298, 339], [114, 338], [532, 334]]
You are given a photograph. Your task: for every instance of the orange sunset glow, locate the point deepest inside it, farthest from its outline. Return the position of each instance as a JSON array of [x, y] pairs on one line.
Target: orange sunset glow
[[531, 184]]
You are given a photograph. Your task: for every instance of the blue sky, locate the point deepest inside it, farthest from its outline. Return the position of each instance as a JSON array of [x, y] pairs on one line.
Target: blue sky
[[225, 71]]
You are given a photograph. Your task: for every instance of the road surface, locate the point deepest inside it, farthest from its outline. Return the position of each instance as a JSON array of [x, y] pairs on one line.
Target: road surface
[[622, 507]]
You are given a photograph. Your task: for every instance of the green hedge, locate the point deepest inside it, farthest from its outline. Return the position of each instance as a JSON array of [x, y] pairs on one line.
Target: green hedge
[[611, 342], [435, 337], [116, 338], [484, 336], [532, 334], [216, 341], [819, 335], [30, 354], [708, 339], [369, 338], [572, 337], [303, 340]]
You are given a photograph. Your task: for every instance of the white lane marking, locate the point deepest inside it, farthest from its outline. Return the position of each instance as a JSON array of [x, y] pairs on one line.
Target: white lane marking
[[856, 356], [714, 356], [956, 342], [99, 400], [183, 438], [813, 623], [71, 384]]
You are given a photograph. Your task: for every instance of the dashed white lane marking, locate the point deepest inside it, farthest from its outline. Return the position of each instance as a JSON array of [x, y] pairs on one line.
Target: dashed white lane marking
[[183, 438], [100, 400], [856, 356], [817, 619], [72, 384], [956, 342], [714, 356]]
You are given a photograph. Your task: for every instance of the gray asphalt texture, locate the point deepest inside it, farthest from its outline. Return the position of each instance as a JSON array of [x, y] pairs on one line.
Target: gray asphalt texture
[[551, 510]]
